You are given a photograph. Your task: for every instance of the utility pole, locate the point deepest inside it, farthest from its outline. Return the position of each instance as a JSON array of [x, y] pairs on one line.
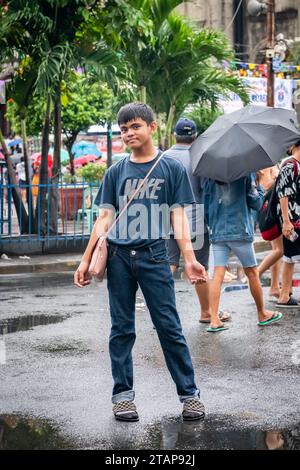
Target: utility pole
[[270, 52], [256, 8]]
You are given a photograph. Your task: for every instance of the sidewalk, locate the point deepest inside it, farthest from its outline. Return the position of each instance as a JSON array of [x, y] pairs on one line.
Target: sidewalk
[[36, 264], [67, 262]]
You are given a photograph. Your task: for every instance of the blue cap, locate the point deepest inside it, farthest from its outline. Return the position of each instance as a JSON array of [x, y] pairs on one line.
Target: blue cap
[[185, 127]]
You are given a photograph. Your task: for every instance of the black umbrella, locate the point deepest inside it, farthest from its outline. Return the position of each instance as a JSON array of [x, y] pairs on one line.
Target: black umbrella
[[247, 140]]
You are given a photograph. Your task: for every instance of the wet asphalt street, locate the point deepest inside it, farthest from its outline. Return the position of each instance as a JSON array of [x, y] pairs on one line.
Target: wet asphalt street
[[55, 380]]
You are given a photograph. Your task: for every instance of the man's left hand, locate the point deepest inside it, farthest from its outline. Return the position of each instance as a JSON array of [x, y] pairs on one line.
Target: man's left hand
[[195, 272]]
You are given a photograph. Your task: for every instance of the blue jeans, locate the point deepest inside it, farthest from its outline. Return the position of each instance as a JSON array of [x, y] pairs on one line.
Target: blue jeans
[[149, 268]]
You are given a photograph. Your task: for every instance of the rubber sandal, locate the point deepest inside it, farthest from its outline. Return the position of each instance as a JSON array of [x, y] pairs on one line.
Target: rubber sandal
[[227, 318], [275, 317], [221, 313], [291, 303], [215, 330]]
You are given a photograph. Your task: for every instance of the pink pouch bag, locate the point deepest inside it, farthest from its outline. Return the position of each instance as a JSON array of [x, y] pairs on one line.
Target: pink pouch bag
[[99, 257]]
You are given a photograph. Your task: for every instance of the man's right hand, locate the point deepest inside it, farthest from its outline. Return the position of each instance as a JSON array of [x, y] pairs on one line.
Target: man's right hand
[[81, 276]]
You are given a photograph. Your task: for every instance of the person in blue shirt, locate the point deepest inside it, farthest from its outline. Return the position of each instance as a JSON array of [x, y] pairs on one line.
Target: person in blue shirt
[[185, 133], [231, 229], [138, 257]]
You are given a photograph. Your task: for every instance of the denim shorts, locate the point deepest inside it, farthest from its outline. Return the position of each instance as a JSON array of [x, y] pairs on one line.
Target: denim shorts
[[243, 250], [291, 250]]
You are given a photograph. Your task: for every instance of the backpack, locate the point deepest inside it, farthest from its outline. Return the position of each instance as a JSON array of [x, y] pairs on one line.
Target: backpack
[[268, 219]]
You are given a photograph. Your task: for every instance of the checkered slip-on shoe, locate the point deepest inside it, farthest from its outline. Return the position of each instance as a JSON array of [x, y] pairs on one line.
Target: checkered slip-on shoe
[[125, 411], [193, 410]]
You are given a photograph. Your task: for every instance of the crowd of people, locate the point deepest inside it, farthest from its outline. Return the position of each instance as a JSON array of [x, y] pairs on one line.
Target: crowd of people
[[141, 183], [231, 213]]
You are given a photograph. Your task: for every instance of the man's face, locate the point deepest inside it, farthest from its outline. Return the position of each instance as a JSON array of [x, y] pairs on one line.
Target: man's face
[[137, 132]]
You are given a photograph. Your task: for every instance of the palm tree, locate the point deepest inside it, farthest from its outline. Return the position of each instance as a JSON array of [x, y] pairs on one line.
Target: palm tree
[[20, 90], [170, 60], [189, 69], [45, 32]]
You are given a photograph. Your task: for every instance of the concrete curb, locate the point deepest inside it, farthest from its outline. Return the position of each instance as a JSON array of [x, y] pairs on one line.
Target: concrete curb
[[46, 267], [51, 265]]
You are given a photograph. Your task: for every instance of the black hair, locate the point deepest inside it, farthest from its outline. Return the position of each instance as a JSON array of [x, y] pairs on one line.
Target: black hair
[[297, 144], [185, 139], [132, 111]]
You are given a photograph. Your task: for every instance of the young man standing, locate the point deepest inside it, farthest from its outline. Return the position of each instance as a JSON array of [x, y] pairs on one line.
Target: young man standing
[[231, 229], [138, 257], [185, 133]]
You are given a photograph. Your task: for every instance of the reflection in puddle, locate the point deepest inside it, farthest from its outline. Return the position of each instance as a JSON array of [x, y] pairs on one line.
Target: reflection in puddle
[[22, 433], [12, 325], [217, 435], [35, 281]]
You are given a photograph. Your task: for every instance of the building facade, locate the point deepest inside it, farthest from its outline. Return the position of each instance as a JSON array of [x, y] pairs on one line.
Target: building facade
[[246, 33]]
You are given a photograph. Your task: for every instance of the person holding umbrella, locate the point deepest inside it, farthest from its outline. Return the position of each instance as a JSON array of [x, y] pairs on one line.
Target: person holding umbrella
[[232, 148], [185, 132]]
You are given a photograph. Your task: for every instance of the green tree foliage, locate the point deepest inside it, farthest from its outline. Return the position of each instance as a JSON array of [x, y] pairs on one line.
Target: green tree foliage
[[91, 172], [170, 60], [203, 115], [44, 34], [85, 102]]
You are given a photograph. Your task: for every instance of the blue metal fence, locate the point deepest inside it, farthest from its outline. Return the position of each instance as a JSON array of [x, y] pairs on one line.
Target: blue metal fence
[[70, 212]]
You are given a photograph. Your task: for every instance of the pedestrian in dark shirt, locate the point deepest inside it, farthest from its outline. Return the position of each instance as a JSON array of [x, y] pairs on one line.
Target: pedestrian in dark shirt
[[185, 133], [138, 257], [288, 191]]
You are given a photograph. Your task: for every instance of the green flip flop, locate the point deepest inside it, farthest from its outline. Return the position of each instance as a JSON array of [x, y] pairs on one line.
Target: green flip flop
[[274, 318], [215, 330]]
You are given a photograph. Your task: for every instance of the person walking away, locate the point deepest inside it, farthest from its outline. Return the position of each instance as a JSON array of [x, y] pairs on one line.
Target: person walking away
[[272, 261], [185, 132], [288, 192], [138, 257], [231, 229]]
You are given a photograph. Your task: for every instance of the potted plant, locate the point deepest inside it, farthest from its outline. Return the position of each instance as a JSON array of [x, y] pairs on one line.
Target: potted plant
[[92, 172], [72, 191]]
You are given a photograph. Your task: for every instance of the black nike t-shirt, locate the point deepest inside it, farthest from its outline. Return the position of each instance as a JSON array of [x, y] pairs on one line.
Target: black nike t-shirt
[[147, 218]]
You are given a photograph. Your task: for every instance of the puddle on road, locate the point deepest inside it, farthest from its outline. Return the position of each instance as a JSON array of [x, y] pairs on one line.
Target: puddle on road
[[35, 281], [216, 435], [23, 433], [12, 325]]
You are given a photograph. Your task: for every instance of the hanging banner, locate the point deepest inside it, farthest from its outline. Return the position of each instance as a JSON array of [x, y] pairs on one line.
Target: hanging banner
[[2, 92], [258, 94]]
